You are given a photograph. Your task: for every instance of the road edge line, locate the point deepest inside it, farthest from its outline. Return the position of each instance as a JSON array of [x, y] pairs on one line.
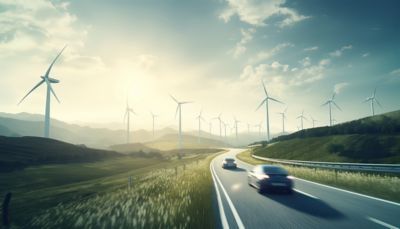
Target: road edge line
[[222, 215], [232, 207], [377, 221]]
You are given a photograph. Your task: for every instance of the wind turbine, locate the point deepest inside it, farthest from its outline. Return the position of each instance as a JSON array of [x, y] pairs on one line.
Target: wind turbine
[[225, 125], [248, 128], [179, 108], [373, 99], [154, 116], [301, 117], [283, 114], [220, 122], [259, 128], [236, 127], [330, 102], [48, 80], [266, 99], [313, 121], [200, 118], [128, 112]]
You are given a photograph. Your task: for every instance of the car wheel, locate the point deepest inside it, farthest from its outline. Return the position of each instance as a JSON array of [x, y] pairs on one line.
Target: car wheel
[[261, 189]]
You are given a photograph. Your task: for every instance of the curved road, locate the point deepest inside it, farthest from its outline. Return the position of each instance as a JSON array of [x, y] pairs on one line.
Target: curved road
[[312, 205]]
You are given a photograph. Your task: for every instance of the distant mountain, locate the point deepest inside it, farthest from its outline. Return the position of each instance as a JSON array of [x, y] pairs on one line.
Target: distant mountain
[[20, 152], [25, 124]]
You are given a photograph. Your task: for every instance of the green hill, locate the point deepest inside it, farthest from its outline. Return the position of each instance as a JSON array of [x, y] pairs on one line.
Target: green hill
[[20, 152], [368, 140]]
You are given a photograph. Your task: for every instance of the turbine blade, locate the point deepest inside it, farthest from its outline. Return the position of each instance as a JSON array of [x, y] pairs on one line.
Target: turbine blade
[[275, 100], [333, 96], [265, 89], [185, 102], [174, 98], [262, 102], [176, 112], [367, 99], [51, 89], [126, 113], [336, 105], [52, 63], [374, 93], [378, 103], [325, 103], [36, 86]]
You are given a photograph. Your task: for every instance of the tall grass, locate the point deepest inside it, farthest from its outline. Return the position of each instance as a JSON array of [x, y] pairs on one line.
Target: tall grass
[[382, 186], [160, 199]]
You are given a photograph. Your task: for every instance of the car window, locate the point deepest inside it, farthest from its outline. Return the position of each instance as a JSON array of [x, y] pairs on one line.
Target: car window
[[274, 170]]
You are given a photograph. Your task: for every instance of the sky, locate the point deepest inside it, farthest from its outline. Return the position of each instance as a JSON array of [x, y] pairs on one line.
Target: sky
[[213, 52]]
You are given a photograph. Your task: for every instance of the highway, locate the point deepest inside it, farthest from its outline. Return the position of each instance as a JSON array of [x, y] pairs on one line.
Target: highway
[[312, 205]]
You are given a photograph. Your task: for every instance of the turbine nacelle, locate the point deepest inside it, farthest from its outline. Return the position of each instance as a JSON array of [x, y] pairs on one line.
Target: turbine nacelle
[[51, 80]]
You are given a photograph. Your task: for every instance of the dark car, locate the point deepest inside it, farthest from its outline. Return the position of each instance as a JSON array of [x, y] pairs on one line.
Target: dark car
[[229, 163], [270, 178]]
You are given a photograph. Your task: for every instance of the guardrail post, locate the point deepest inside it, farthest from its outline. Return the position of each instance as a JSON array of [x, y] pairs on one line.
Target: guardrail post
[[5, 210], [130, 182]]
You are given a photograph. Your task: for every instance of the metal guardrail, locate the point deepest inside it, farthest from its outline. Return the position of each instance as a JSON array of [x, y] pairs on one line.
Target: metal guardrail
[[360, 167]]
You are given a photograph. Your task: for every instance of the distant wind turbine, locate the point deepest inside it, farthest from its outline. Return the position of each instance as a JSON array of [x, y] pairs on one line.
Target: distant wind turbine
[[128, 112], [259, 128], [313, 121], [200, 118], [225, 125], [179, 109], [154, 116], [266, 99], [236, 127], [373, 99], [283, 114], [48, 80], [220, 124], [330, 102], [248, 128], [301, 117]]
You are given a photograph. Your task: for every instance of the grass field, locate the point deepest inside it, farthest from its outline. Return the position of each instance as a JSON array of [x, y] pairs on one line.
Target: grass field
[[336, 148], [39, 190], [382, 186]]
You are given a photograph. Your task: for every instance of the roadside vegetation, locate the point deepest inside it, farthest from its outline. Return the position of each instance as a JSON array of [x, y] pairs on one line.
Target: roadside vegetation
[[86, 195], [383, 186]]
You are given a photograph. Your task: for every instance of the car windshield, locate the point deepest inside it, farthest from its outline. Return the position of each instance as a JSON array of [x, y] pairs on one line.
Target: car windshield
[[274, 170], [229, 159]]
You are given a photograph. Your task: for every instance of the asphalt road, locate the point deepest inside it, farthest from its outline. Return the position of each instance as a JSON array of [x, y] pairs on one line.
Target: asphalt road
[[312, 205]]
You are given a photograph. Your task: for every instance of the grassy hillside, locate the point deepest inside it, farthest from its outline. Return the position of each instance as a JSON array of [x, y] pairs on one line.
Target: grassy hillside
[[19, 152], [170, 142], [337, 148]]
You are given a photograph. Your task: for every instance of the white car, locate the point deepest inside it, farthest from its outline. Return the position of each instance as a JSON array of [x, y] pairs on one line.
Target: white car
[[229, 163]]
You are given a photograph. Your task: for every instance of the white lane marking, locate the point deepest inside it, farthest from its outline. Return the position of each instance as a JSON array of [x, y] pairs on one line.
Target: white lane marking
[[339, 189], [233, 209], [377, 221], [306, 194], [222, 215], [355, 193]]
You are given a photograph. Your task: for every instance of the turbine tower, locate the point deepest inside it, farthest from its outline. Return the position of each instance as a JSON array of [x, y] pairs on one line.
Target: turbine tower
[[330, 102], [301, 117], [200, 118], [313, 121], [153, 116], [259, 128], [266, 99], [283, 114], [179, 109], [220, 124], [48, 80], [127, 117], [373, 99], [236, 127], [248, 128]]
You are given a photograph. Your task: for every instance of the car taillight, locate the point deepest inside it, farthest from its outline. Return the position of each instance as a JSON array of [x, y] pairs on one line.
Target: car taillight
[[290, 177]]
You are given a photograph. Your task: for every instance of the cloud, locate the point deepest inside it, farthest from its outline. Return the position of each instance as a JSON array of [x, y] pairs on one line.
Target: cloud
[[395, 72], [339, 52], [365, 55], [313, 48], [240, 47], [263, 55], [256, 12], [305, 62], [337, 88]]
